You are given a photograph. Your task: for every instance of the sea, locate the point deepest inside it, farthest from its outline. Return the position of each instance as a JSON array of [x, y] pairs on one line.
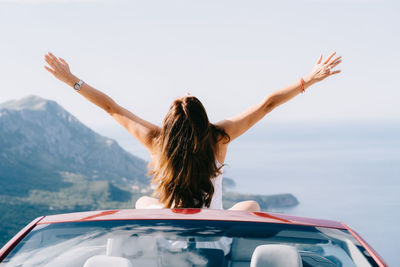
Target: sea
[[343, 171]]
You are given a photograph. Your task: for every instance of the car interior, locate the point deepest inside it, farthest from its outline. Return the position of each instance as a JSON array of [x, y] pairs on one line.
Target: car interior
[[186, 244]]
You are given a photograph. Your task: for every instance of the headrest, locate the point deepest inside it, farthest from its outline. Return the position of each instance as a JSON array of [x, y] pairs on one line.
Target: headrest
[[275, 256], [111, 259], [107, 261]]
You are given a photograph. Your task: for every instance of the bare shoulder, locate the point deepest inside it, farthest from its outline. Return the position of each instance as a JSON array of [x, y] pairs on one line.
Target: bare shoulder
[[224, 124]]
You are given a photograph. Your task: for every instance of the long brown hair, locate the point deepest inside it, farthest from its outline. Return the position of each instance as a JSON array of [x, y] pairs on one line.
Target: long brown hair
[[185, 161]]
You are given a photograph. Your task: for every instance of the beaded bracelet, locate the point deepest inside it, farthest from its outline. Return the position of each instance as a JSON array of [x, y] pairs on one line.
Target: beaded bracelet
[[303, 89]]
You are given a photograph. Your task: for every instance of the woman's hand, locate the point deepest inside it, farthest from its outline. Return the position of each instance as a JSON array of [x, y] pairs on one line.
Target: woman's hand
[[59, 68], [323, 70]]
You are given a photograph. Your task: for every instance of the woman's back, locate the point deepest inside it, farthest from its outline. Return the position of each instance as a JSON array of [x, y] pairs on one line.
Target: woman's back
[[216, 200]]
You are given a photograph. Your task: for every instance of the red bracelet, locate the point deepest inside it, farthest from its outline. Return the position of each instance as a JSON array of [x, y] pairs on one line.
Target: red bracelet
[[302, 85]]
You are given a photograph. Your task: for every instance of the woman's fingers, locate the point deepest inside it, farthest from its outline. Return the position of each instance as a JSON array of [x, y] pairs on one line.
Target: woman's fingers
[[63, 61], [57, 63], [49, 58], [319, 59], [323, 70], [58, 67], [335, 72], [49, 69], [50, 62], [329, 58], [335, 64], [333, 61], [53, 57]]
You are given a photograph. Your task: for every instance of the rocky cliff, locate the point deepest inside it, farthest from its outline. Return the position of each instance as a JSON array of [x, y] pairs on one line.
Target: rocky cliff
[[39, 138]]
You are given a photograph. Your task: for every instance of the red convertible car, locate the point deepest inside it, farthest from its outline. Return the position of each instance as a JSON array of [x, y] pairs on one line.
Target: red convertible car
[[186, 237]]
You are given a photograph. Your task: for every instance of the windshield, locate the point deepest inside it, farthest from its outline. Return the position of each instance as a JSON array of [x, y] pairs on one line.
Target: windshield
[[182, 243]]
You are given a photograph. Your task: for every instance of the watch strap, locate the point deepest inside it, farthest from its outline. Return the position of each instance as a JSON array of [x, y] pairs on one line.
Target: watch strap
[[77, 85]]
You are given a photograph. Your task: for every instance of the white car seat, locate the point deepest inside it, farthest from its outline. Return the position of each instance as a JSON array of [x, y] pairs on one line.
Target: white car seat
[[275, 256], [111, 259], [107, 261]]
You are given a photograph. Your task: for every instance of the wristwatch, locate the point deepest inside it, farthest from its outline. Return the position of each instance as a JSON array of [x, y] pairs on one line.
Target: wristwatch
[[77, 86]]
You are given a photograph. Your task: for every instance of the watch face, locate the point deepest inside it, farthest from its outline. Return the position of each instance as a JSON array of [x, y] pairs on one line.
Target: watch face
[[77, 86]]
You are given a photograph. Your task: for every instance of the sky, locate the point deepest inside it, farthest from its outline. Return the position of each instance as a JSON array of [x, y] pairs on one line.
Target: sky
[[230, 54]]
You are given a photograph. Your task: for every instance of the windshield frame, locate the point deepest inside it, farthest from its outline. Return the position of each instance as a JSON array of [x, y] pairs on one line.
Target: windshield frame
[[219, 223]]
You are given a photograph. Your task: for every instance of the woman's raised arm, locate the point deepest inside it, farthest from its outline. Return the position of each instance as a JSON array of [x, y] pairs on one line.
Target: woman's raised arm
[[239, 124], [144, 131]]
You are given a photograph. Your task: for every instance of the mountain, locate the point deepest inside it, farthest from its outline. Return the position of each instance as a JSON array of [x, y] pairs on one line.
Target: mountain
[[52, 163], [39, 140]]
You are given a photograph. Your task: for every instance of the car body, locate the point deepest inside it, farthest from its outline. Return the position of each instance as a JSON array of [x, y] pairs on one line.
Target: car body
[[185, 237]]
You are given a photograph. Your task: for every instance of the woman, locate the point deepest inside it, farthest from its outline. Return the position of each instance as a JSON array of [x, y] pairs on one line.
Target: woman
[[188, 152]]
